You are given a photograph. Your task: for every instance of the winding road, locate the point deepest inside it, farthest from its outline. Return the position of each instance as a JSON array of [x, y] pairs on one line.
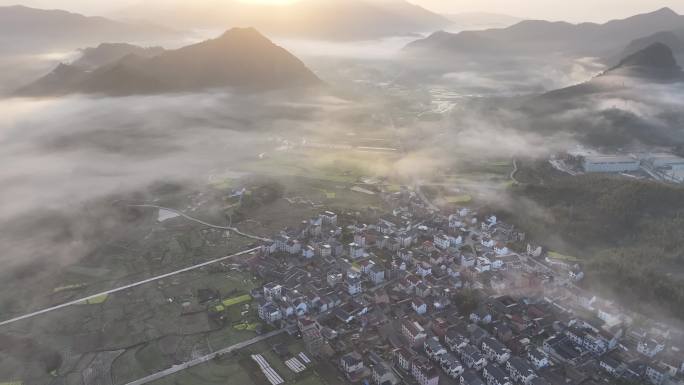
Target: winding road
[[126, 287], [186, 216], [197, 361], [515, 171]]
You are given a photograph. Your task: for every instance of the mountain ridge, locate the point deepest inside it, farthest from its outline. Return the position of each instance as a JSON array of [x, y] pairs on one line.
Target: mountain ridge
[[540, 36], [241, 58], [24, 28]]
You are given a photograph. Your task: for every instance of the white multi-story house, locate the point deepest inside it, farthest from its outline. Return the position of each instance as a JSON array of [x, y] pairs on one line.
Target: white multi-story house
[[424, 372], [308, 252], [351, 363], [481, 315], [272, 290], [472, 357], [467, 260], [483, 264], [419, 306], [353, 284], [377, 274], [609, 365], [451, 365], [356, 251], [441, 241], [650, 347], [325, 250], [381, 374], [269, 312], [520, 370], [494, 375], [433, 348], [300, 306], [329, 218], [501, 249], [495, 351], [413, 332], [404, 358], [470, 377], [423, 269], [406, 255], [583, 334], [455, 221], [538, 358], [657, 374], [455, 340], [334, 277], [405, 239]]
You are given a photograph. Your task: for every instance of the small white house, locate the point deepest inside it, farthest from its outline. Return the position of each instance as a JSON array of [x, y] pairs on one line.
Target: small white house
[[355, 251], [419, 306]]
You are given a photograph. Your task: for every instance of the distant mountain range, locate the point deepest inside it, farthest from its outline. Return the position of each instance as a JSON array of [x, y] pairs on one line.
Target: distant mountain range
[[643, 79], [481, 20], [241, 58], [544, 37], [108, 53], [312, 19], [673, 39], [25, 29], [653, 64]]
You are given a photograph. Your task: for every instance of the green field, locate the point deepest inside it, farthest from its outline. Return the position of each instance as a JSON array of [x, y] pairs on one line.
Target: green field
[[95, 301], [226, 303], [75, 286], [239, 368], [562, 257], [456, 199], [329, 165]]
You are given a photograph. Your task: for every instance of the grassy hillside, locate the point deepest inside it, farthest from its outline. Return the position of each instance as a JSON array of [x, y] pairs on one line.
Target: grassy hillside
[[628, 233]]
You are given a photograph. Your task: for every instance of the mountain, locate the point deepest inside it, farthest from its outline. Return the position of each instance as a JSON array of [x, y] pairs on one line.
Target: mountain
[[25, 29], [108, 53], [472, 21], [544, 37], [653, 64], [655, 59], [337, 20], [673, 39], [633, 101], [241, 58]]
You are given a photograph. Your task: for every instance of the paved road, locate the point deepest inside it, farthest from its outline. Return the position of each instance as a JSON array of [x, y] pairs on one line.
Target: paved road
[[186, 216], [193, 267], [515, 171], [189, 364]]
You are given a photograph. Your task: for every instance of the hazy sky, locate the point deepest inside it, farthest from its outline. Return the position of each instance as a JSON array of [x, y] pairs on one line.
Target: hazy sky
[[571, 10]]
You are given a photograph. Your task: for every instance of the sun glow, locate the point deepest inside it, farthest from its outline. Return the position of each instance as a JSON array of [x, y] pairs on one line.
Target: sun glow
[[269, 2]]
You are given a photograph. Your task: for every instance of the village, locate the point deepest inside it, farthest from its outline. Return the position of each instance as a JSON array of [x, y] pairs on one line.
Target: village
[[417, 296]]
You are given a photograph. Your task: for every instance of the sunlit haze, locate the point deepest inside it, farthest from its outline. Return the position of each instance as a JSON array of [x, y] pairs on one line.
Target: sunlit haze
[[341, 192], [575, 11]]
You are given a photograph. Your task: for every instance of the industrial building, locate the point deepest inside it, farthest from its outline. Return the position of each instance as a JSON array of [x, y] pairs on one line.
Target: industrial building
[[666, 161], [610, 163]]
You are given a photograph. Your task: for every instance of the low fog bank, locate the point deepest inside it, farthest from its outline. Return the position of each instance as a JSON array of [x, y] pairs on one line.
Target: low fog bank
[[62, 153], [18, 70], [68, 152], [502, 75]]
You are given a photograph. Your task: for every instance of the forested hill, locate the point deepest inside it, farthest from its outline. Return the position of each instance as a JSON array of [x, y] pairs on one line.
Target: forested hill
[[628, 232]]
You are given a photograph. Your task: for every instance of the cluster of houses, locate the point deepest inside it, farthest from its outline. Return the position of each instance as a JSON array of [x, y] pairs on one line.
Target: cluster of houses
[[385, 302]]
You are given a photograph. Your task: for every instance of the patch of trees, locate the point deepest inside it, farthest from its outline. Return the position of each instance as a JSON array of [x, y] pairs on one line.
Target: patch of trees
[[628, 232], [262, 193]]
